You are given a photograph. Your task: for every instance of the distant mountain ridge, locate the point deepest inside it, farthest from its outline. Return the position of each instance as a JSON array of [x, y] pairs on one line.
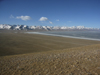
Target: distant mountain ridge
[[25, 27]]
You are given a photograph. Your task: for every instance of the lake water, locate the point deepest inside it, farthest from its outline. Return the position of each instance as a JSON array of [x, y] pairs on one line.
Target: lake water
[[90, 35]]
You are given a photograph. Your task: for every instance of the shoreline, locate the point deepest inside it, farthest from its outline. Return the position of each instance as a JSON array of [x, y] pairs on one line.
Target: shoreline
[[63, 36]]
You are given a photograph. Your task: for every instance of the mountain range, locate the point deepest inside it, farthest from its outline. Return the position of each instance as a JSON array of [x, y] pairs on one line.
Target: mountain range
[[26, 27]]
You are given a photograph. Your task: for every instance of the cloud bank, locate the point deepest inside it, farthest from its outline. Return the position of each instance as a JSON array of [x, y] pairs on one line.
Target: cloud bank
[[25, 18]]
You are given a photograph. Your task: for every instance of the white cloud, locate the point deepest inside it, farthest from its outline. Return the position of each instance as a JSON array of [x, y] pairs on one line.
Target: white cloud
[[57, 20], [11, 16], [50, 22], [25, 18], [43, 19]]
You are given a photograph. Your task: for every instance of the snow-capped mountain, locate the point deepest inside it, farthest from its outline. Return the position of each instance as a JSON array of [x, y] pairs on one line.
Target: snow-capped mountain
[[25, 27], [5, 26]]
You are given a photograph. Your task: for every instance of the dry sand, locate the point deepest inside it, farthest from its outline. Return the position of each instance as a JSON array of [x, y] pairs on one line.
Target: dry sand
[[26, 54]]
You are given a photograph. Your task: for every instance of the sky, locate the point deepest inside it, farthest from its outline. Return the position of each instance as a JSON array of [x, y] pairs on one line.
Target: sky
[[51, 12]]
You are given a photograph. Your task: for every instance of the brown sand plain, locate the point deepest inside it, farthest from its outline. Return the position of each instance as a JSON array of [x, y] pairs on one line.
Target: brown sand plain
[[31, 54]]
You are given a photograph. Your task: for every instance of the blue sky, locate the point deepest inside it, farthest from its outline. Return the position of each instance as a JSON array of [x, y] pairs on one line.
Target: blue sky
[[51, 12]]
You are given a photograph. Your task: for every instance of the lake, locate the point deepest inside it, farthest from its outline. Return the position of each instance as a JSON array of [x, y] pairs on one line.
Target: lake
[[90, 35]]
